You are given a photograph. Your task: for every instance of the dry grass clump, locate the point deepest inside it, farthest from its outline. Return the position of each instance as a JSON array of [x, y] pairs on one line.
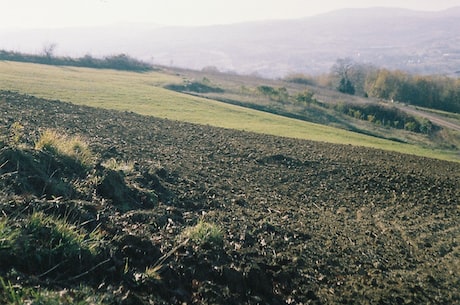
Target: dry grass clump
[[205, 234], [115, 165], [73, 147]]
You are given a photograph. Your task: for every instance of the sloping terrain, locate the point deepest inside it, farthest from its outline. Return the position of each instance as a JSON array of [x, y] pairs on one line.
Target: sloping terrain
[[324, 107], [300, 222], [143, 93]]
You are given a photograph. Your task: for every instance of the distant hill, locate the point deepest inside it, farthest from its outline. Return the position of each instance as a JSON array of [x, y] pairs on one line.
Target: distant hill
[[420, 42]]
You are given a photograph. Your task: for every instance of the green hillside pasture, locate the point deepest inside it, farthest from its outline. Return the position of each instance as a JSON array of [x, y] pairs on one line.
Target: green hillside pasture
[[143, 93]]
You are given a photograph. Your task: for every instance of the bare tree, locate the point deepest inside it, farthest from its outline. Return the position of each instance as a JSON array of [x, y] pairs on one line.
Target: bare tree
[[341, 71], [342, 67], [48, 50]]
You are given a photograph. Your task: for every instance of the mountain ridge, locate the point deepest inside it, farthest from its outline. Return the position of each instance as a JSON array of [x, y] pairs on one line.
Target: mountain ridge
[[415, 41]]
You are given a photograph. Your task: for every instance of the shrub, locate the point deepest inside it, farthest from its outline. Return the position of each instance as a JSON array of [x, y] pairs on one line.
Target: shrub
[[277, 94], [267, 90], [411, 126], [346, 86], [198, 87], [305, 97], [300, 79], [387, 116]]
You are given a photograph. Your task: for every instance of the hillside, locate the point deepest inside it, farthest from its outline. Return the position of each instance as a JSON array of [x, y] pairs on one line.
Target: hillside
[[419, 42], [147, 93], [308, 102], [170, 213]]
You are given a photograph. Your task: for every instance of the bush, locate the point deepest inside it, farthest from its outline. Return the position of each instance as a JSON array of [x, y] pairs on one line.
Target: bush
[[301, 79], [198, 87], [346, 86], [267, 90], [388, 116], [410, 126], [280, 94], [305, 97]]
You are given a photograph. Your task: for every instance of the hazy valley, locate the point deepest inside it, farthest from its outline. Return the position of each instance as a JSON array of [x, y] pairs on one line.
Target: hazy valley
[[419, 42]]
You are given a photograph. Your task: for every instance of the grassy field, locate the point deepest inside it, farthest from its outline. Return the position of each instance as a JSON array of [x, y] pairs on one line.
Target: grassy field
[[143, 93]]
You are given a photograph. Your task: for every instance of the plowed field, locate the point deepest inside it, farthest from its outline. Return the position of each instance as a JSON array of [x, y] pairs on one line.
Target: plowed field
[[302, 222]]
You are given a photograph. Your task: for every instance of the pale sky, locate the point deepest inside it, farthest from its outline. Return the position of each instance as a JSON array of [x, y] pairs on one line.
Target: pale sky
[[62, 13]]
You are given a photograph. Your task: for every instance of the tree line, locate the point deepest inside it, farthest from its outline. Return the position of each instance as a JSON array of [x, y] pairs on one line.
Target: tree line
[[117, 62], [382, 115], [431, 91]]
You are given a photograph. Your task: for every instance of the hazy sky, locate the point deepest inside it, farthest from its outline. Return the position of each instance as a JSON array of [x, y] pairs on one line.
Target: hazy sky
[[58, 13]]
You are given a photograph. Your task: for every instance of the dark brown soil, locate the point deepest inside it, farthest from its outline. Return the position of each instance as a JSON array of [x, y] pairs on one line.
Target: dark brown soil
[[304, 222]]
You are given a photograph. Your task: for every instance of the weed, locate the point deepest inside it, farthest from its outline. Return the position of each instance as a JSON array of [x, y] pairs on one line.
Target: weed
[[205, 233], [73, 147]]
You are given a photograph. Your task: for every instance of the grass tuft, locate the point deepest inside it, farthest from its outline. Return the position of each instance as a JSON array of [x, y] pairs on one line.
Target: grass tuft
[[72, 147], [153, 273], [7, 235], [126, 167], [11, 294], [51, 239], [41, 244], [205, 233], [16, 134]]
